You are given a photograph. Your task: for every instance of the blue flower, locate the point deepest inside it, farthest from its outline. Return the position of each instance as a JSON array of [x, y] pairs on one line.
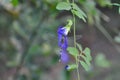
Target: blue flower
[[63, 43], [64, 57], [62, 37]]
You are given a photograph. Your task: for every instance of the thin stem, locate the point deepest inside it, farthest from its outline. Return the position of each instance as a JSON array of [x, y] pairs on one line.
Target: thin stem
[[74, 32], [77, 63]]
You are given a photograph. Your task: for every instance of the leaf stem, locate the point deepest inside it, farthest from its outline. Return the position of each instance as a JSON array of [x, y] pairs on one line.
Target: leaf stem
[[74, 34]]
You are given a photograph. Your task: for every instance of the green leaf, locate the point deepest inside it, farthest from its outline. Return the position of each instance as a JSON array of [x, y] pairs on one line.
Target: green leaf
[[116, 4], [117, 39], [14, 2], [63, 6], [78, 12], [86, 60], [87, 53], [79, 15], [104, 3], [71, 67], [85, 66], [101, 61], [79, 46], [78, 9], [73, 51]]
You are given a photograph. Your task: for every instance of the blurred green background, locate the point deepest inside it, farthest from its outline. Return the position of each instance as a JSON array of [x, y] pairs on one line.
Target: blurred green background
[[28, 40]]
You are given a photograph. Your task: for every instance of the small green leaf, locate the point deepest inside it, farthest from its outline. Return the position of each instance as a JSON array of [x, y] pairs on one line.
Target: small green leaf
[[79, 46], [79, 15], [87, 61], [73, 51], [87, 53], [63, 6], [85, 66], [101, 61], [78, 12], [14, 2], [104, 3], [71, 67], [116, 4], [117, 39], [78, 9]]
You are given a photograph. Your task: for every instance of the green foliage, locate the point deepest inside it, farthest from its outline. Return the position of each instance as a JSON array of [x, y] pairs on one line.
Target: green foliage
[[42, 51], [84, 54], [74, 9], [79, 46], [115, 4], [14, 2], [101, 61], [104, 3], [117, 38], [73, 51], [85, 66], [72, 67], [118, 5], [78, 12], [63, 6], [87, 54]]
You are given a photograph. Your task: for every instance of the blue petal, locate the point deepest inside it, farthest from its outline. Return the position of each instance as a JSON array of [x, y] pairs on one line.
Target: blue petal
[[62, 38], [64, 44], [62, 31], [64, 56], [59, 40]]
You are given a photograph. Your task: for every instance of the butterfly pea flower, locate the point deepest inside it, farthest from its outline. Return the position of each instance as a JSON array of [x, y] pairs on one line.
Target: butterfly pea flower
[[64, 57], [62, 37], [63, 43]]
